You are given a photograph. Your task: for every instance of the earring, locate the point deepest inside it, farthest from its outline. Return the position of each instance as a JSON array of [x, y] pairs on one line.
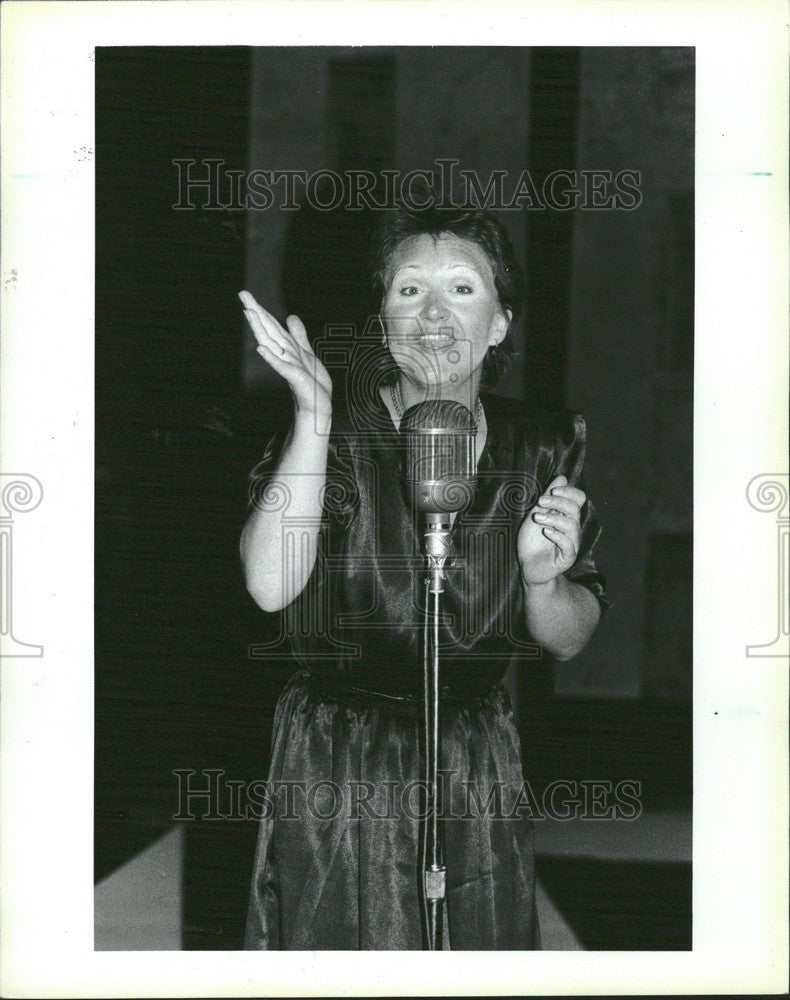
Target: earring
[[383, 331]]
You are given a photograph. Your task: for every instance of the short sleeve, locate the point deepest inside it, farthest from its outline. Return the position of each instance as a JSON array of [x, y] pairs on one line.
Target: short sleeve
[[341, 497], [571, 448]]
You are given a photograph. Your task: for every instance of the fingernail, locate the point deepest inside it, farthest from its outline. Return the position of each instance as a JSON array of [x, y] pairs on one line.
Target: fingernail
[[545, 501]]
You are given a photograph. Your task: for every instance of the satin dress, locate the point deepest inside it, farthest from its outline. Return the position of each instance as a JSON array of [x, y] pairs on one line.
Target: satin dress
[[338, 861]]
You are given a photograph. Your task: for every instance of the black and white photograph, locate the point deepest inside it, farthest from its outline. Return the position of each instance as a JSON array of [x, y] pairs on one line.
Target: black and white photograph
[[295, 248], [406, 502]]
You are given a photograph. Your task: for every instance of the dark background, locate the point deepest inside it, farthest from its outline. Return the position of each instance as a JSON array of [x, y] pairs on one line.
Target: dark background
[[184, 407]]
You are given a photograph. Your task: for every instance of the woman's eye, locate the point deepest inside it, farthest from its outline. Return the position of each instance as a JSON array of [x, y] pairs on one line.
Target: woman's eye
[[464, 288], [409, 290]]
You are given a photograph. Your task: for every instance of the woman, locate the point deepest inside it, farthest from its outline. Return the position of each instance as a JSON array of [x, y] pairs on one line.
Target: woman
[[332, 539]]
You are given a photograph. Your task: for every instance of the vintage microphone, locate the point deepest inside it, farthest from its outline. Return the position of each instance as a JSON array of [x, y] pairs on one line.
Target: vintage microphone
[[440, 475]]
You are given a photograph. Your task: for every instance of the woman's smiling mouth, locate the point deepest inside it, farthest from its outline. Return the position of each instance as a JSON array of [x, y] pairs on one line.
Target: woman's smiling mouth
[[441, 338]]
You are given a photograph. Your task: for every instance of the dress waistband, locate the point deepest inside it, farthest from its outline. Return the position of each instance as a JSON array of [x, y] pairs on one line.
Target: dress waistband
[[343, 688]]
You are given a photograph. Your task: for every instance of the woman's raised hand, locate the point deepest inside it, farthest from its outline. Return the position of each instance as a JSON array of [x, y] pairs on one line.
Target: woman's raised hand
[[288, 351]]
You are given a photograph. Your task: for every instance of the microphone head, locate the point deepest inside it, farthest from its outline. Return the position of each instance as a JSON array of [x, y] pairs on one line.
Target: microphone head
[[442, 414], [440, 456]]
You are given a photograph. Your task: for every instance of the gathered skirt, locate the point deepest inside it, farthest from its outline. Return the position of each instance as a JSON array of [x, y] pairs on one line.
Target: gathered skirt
[[339, 862]]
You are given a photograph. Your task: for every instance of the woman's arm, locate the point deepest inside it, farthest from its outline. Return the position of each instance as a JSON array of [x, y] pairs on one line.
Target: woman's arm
[[278, 558], [561, 615], [280, 538]]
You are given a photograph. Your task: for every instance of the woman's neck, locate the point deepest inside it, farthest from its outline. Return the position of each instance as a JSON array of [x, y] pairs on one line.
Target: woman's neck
[[410, 394]]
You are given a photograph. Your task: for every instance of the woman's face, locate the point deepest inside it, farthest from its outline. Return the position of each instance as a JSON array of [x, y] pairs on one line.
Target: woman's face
[[440, 310]]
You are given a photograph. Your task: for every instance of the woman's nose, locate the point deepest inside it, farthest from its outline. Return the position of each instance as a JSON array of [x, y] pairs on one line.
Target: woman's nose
[[434, 309]]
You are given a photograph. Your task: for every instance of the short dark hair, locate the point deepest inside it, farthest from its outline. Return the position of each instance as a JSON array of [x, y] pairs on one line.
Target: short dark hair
[[478, 226]]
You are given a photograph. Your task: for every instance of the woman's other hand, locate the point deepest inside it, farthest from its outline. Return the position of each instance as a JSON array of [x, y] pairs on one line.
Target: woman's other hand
[[289, 353], [548, 540]]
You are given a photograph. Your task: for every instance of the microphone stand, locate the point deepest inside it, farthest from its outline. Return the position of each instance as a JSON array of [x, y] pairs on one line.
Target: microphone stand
[[437, 550], [440, 471]]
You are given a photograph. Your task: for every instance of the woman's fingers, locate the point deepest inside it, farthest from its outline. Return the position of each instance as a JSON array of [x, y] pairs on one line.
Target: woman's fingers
[[572, 493], [280, 364], [559, 486], [562, 498], [268, 331], [298, 332], [262, 322], [560, 504], [264, 337], [563, 542], [562, 522], [251, 303], [311, 361], [560, 529], [292, 342], [288, 351]]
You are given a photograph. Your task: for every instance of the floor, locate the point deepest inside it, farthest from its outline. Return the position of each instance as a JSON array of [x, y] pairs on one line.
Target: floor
[[602, 885]]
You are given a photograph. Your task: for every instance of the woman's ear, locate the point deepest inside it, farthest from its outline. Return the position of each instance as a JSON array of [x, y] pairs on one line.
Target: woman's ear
[[500, 327]]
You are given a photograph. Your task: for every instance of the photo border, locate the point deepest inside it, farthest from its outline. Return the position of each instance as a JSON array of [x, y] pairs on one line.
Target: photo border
[[741, 359]]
